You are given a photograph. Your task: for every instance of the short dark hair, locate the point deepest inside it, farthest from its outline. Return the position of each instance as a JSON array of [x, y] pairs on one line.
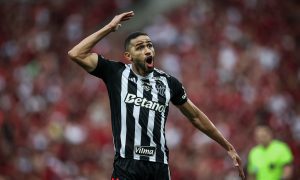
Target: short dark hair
[[133, 36]]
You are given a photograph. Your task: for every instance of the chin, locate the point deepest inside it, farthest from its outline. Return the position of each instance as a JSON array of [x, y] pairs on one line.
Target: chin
[[150, 70]]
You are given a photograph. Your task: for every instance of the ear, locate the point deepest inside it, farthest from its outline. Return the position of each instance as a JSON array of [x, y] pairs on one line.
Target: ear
[[127, 56]]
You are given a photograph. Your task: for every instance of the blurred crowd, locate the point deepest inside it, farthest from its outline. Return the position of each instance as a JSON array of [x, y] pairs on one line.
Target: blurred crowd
[[236, 58]]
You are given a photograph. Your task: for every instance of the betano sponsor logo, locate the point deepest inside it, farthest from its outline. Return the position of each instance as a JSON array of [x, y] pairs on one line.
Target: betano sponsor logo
[[143, 102], [145, 150]]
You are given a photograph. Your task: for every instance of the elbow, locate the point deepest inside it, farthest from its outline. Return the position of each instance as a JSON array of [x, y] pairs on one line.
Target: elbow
[[76, 55], [72, 54]]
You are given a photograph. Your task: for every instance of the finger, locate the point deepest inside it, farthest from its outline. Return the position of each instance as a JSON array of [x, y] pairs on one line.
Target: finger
[[128, 16], [241, 173], [119, 25], [235, 162], [240, 169], [123, 16], [125, 19], [238, 160], [130, 13]]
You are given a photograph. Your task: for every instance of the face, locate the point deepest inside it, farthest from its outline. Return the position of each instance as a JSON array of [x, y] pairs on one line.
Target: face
[[141, 53], [263, 135]]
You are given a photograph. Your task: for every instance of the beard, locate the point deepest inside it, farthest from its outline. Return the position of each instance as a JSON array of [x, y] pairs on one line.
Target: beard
[[145, 66]]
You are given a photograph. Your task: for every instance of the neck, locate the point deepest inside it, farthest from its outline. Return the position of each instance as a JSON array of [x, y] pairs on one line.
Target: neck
[[267, 144], [139, 71]]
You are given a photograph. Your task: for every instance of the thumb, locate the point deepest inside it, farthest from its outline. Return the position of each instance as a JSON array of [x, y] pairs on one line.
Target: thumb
[[117, 27]]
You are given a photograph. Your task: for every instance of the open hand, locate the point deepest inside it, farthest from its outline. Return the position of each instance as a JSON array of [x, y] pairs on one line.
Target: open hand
[[237, 162], [115, 23]]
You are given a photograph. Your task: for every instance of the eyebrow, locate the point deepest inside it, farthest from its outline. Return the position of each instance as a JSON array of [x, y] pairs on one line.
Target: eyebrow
[[139, 43]]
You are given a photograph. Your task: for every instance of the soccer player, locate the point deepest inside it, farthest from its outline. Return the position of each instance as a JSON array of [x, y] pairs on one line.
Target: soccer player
[[139, 97], [271, 158]]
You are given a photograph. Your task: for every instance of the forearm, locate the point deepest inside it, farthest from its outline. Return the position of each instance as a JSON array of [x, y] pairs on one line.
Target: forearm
[[202, 122], [81, 53], [83, 49]]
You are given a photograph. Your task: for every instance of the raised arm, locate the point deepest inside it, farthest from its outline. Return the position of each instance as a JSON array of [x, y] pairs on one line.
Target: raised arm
[[201, 122], [81, 53]]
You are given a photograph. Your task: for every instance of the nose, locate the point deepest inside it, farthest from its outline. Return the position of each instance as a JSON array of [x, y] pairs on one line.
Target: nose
[[147, 51]]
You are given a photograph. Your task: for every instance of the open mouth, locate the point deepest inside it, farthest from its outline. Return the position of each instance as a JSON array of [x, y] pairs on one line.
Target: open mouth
[[149, 61]]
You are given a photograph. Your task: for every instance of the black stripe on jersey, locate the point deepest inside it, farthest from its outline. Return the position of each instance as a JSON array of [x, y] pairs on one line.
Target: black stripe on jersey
[[164, 130], [130, 133], [157, 126], [144, 116], [116, 112]]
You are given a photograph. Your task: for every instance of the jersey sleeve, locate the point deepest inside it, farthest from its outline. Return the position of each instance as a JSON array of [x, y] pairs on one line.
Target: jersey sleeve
[[286, 156], [105, 68], [178, 92]]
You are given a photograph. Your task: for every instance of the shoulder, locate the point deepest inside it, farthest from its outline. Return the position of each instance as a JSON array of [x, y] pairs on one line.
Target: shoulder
[[106, 67], [173, 83], [256, 150], [161, 73], [279, 144], [102, 59], [109, 64]]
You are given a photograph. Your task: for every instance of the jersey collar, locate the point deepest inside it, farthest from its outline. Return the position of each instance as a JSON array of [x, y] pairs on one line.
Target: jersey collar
[[150, 75]]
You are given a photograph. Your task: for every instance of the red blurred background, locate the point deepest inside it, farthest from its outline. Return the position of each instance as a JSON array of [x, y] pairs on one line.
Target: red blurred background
[[237, 59]]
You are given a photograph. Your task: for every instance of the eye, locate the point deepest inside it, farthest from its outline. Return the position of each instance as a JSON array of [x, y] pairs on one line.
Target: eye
[[139, 47], [149, 45]]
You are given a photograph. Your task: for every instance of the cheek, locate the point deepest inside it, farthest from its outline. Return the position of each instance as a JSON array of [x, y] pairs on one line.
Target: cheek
[[138, 57], [153, 52], [258, 137], [138, 61]]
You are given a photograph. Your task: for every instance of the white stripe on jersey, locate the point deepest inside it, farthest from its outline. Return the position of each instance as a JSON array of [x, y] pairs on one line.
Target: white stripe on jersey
[[151, 119], [162, 137], [136, 114], [124, 90]]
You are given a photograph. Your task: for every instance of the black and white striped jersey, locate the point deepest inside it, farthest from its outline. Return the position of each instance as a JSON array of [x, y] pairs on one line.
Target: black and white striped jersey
[[139, 109]]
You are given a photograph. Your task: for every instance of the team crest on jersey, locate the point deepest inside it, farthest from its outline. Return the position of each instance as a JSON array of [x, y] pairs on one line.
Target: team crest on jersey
[[146, 86], [160, 87]]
